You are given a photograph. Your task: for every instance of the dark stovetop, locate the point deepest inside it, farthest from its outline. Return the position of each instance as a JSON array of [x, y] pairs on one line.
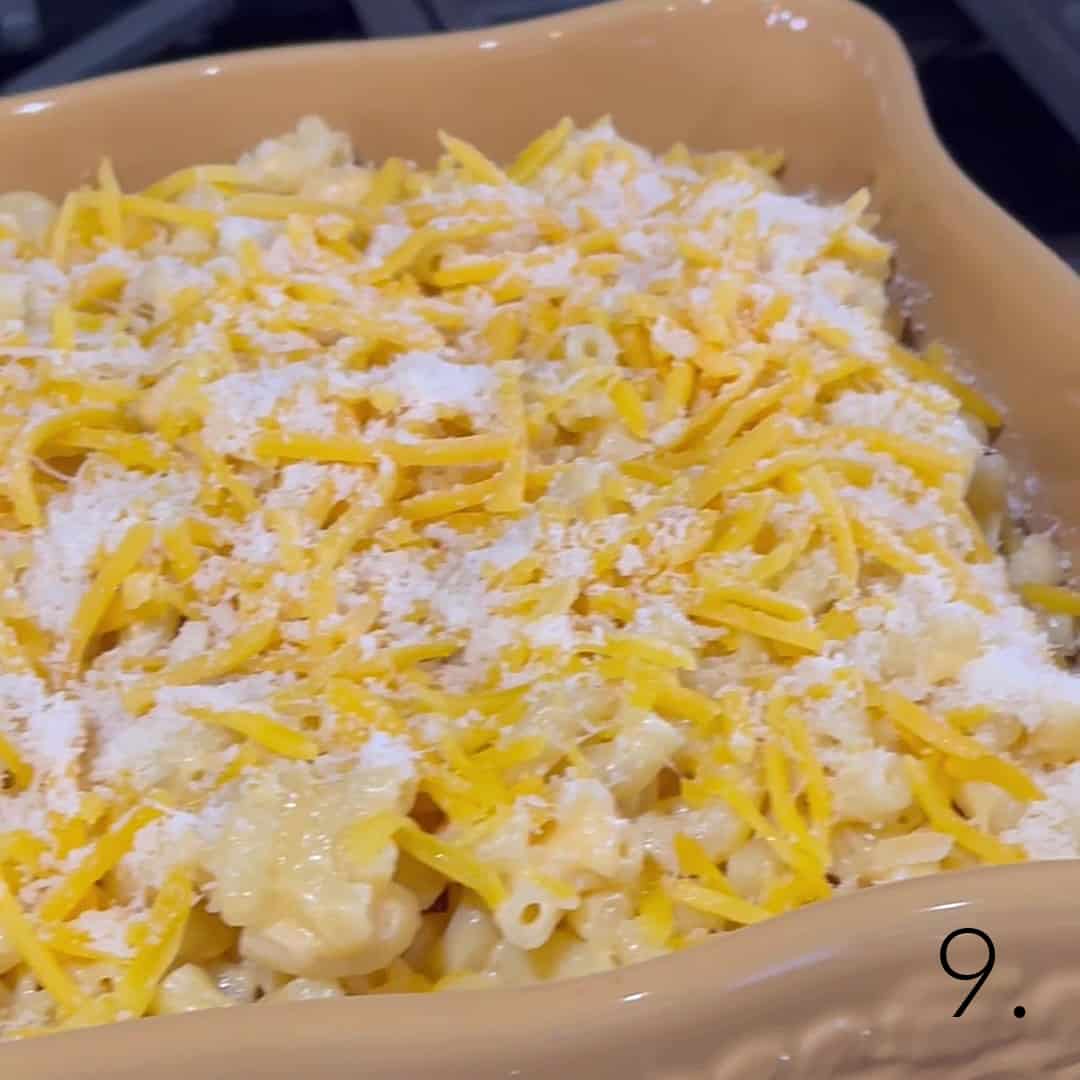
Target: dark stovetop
[[1001, 130]]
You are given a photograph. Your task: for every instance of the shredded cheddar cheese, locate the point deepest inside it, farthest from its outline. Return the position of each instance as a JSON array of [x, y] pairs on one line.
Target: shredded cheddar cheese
[[415, 579]]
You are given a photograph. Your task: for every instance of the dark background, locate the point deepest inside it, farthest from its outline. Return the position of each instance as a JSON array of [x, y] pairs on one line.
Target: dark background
[[996, 73]]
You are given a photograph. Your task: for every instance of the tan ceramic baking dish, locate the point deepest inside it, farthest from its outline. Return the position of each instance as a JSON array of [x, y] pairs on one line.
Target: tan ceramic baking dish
[[850, 988]]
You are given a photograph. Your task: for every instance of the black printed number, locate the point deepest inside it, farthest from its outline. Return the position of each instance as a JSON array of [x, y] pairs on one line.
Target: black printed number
[[979, 976]]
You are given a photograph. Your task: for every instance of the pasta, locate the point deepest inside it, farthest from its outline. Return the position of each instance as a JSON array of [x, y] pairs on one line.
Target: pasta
[[436, 579]]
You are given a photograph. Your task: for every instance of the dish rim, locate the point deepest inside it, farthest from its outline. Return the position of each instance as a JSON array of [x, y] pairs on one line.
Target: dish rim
[[912, 118], [687, 984]]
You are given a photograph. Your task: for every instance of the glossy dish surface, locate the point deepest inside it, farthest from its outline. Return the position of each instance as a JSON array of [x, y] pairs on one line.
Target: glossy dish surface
[[643, 25]]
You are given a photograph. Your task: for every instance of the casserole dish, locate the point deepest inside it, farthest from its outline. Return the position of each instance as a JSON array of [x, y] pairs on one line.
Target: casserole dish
[[848, 114]]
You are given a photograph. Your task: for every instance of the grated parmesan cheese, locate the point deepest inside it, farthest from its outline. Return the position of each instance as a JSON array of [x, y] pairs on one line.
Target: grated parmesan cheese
[[1050, 828], [528, 542]]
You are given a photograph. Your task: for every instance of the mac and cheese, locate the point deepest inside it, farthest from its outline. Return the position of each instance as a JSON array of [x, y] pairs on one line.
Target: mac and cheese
[[429, 579]]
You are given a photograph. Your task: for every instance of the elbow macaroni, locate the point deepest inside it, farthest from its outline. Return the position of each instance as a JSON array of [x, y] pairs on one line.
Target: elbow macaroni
[[436, 579]]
